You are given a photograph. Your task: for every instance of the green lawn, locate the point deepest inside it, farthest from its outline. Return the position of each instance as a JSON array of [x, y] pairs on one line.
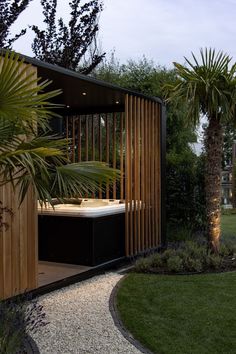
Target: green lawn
[[181, 314], [228, 226]]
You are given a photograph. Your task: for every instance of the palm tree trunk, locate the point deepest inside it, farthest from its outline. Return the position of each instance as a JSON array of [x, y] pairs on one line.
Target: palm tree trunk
[[213, 146]]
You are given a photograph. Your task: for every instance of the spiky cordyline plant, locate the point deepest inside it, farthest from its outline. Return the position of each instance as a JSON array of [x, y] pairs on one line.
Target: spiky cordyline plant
[[28, 159], [208, 86]]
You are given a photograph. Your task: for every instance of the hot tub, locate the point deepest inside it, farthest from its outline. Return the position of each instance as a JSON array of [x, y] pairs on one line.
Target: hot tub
[[87, 208], [90, 234]]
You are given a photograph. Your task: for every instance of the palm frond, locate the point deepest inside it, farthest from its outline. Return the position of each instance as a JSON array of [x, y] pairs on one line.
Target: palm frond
[[27, 159], [207, 85], [23, 99]]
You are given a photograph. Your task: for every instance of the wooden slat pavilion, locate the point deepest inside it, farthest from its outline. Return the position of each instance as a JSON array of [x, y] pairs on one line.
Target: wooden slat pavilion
[[105, 123]]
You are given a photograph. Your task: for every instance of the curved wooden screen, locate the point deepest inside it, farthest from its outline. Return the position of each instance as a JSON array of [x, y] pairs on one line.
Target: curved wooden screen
[[142, 174], [129, 141]]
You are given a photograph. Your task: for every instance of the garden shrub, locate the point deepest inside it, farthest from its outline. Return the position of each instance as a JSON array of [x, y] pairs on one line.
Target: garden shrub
[[192, 265], [188, 257], [227, 249], [175, 264], [143, 265], [213, 261], [17, 318], [156, 260]]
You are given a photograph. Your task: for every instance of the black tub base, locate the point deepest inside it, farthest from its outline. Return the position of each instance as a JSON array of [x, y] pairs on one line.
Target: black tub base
[[79, 240]]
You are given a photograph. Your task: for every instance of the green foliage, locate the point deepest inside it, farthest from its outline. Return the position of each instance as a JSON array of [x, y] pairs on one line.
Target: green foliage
[[189, 257], [185, 203], [143, 265], [229, 138], [155, 260], [175, 264], [208, 87], [29, 159], [19, 317], [213, 261]]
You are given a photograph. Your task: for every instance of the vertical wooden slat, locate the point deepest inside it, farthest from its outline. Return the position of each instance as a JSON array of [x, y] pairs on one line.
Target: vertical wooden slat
[[121, 156], [107, 149], [79, 138], [134, 165], [86, 138], [159, 171], [146, 177], [99, 145], [73, 139], [143, 175], [32, 244], [23, 245], [93, 143], [149, 177], [153, 151], [15, 225], [7, 243], [155, 172], [130, 178], [114, 151], [93, 138], [67, 136], [127, 176], [2, 285], [99, 138], [138, 174]]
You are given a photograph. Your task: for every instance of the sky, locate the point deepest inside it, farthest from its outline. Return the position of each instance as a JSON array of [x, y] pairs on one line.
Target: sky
[[162, 30]]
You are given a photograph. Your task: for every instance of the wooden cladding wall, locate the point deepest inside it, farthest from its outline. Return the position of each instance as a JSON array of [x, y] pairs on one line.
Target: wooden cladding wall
[[129, 141], [142, 174], [18, 242], [18, 246]]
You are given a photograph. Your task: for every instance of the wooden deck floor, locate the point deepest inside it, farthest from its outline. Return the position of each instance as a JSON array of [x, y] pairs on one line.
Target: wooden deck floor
[[49, 272]]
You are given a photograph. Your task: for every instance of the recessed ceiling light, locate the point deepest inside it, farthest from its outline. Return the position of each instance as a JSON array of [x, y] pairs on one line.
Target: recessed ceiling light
[[67, 106], [117, 102], [84, 93]]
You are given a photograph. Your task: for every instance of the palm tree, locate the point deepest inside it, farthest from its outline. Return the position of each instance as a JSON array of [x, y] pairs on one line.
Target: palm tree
[[27, 158], [208, 86]]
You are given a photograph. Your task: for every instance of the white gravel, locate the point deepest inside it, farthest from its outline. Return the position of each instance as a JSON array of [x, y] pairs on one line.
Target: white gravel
[[80, 320]]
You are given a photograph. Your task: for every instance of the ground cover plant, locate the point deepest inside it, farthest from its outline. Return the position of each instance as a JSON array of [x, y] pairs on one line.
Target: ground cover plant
[[189, 257], [180, 314], [19, 317]]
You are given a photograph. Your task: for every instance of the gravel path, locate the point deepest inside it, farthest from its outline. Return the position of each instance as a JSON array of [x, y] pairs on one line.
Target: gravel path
[[80, 320]]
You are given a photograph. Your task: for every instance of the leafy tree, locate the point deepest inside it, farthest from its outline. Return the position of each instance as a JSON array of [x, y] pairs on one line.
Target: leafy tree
[[27, 158], [208, 87], [67, 45], [9, 12]]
